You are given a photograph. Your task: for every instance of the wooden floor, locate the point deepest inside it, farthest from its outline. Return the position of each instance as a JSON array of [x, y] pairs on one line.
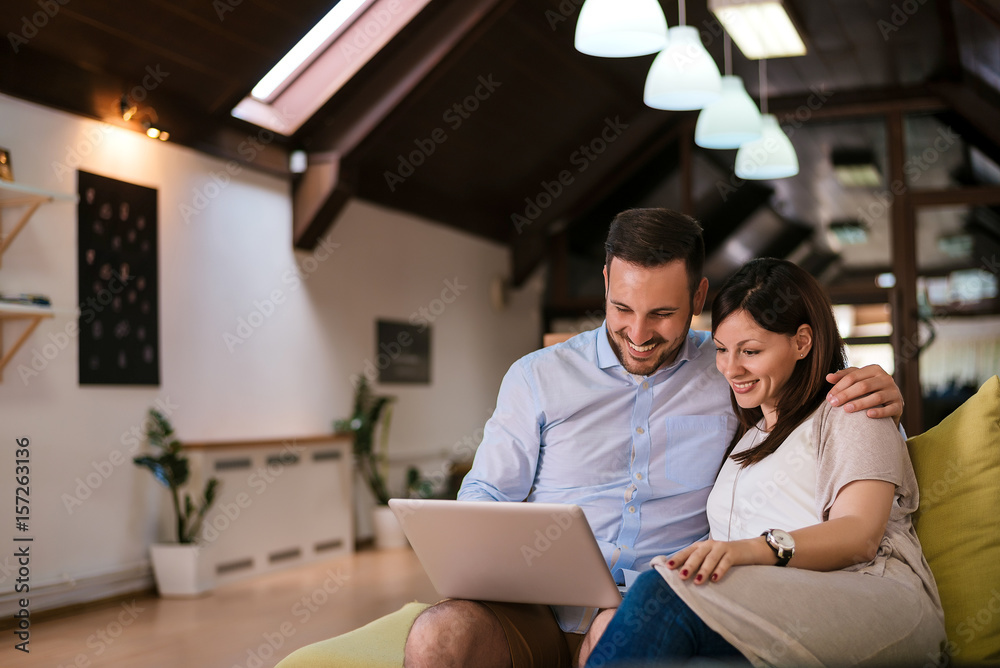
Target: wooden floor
[[250, 624]]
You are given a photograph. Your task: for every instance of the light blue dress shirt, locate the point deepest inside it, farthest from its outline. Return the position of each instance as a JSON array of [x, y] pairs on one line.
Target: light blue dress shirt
[[638, 454]]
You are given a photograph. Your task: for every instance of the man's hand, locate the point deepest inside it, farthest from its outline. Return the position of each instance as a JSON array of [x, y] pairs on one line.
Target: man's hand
[[708, 560], [868, 389]]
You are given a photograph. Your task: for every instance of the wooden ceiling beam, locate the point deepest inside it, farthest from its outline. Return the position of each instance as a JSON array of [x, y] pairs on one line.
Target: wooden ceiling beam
[[378, 93], [973, 196], [986, 10], [825, 104], [620, 185], [95, 95], [968, 103], [639, 172], [950, 47]]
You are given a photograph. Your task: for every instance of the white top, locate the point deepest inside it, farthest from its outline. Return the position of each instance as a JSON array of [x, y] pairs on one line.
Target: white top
[[884, 612], [778, 492]]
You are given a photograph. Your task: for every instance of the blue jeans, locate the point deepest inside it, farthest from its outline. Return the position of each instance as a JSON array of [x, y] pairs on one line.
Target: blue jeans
[[653, 625]]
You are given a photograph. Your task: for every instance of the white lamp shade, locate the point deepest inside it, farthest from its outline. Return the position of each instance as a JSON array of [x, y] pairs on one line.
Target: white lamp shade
[[620, 28], [730, 121], [770, 157], [683, 76]]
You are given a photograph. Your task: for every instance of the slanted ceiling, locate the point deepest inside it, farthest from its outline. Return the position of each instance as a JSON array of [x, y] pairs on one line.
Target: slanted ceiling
[[482, 116]]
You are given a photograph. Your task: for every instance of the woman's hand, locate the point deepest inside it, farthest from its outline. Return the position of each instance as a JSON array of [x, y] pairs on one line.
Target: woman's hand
[[709, 560]]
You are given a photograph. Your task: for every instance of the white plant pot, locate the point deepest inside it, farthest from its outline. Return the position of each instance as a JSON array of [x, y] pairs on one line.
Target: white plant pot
[[178, 570], [388, 533]]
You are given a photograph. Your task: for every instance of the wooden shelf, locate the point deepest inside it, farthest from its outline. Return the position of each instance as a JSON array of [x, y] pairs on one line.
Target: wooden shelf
[[33, 314], [16, 195]]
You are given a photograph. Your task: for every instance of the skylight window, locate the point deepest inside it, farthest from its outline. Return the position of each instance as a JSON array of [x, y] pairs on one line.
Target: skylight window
[[332, 52], [303, 53]]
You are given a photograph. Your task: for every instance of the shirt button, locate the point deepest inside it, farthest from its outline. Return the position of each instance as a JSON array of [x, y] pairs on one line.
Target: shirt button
[[640, 430], [638, 476], [631, 509], [645, 386]]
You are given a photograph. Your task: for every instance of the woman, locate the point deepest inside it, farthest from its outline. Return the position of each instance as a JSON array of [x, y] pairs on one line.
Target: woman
[[826, 493]]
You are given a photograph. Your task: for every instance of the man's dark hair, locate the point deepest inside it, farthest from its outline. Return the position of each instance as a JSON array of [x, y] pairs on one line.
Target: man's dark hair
[[654, 237]]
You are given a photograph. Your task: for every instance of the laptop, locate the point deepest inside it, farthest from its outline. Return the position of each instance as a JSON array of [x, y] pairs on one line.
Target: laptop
[[512, 552]]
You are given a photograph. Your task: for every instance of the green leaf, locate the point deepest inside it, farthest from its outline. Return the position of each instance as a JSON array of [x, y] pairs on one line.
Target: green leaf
[[171, 468]]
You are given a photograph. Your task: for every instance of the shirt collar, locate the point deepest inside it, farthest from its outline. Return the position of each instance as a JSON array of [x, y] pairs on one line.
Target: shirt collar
[[607, 359]]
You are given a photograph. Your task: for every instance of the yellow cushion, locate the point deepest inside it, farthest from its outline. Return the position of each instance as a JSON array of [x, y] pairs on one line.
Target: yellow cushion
[[958, 468], [374, 645]]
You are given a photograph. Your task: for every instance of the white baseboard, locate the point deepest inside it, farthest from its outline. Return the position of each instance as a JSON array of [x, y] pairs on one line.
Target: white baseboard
[[74, 592]]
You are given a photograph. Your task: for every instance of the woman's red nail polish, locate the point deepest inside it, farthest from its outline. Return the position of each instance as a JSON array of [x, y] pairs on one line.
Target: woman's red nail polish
[[684, 573], [699, 578], [715, 577], [670, 563]]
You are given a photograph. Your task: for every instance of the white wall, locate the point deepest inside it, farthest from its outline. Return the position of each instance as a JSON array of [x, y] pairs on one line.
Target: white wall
[[218, 264]]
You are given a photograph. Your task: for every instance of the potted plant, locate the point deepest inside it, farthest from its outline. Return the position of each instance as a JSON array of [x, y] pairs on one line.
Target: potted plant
[[369, 426], [175, 565]]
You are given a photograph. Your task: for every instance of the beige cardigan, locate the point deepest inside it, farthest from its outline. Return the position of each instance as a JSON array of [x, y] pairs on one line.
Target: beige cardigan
[[883, 612]]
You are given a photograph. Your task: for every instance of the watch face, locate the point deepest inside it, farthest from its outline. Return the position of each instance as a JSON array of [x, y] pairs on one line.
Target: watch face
[[783, 539]]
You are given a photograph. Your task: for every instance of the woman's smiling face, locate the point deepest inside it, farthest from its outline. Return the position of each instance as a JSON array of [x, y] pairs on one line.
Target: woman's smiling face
[[757, 362]]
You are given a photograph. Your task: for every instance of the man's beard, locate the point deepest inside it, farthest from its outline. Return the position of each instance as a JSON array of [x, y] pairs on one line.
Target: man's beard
[[645, 367]]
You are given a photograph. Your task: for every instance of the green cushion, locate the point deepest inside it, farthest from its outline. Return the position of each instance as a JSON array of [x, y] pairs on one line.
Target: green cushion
[[374, 645], [958, 468]]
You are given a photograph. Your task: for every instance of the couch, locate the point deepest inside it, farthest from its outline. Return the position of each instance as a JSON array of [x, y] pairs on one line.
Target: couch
[[957, 464]]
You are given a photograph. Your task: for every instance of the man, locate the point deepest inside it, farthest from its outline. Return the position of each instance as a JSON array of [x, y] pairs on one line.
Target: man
[[630, 421]]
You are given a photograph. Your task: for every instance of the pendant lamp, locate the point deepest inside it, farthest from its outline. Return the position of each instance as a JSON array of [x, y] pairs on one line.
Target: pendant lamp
[[620, 28], [772, 156], [733, 119], [683, 76]]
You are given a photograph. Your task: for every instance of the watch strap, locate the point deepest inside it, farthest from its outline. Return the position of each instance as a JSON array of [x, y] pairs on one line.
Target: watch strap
[[783, 555]]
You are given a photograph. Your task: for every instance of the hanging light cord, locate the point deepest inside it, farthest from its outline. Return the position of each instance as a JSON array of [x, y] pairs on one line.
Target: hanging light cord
[[681, 13], [763, 86], [728, 48]]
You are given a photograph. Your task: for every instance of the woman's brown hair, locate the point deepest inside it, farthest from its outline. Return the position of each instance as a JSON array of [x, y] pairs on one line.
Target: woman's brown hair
[[781, 297]]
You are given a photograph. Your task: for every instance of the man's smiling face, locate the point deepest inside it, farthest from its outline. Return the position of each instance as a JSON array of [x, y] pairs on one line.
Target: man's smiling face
[[649, 311]]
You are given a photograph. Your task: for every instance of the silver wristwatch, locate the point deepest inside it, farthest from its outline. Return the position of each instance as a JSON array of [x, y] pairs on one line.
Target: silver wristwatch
[[782, 543]]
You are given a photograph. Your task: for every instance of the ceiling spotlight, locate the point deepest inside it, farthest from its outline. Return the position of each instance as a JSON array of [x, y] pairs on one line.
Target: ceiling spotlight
[[147, 118], [126, 108]]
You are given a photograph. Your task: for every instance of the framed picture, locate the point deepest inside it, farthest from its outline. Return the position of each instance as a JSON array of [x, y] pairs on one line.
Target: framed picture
[[6, 171], [118, 282], [403, 352]]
